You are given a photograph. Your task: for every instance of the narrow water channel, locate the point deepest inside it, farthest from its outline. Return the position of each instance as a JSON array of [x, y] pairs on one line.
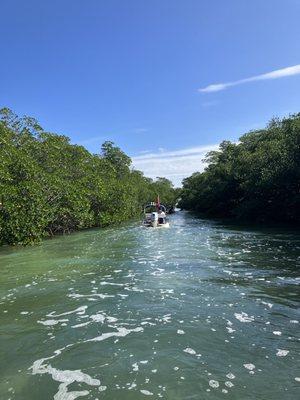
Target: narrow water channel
[[197, 311]]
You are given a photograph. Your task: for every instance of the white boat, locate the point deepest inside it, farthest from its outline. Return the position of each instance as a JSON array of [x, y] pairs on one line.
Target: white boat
[[155, 215]]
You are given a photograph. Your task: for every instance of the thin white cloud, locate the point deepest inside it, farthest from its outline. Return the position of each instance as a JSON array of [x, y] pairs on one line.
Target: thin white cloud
[[279, 73], [174, 165], [144, 151]]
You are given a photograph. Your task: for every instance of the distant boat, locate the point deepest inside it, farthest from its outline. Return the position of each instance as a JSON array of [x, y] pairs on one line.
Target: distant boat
[[155, 215], [171, 210]]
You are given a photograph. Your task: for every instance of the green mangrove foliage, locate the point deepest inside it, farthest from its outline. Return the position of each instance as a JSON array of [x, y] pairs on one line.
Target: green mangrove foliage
[[50, 186], [257, 178]]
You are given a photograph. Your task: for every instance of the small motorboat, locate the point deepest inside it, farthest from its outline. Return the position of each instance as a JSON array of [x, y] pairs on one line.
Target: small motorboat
[[155, 215]]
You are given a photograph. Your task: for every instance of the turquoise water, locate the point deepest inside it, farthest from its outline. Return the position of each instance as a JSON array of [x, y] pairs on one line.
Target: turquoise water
[[197, 311]]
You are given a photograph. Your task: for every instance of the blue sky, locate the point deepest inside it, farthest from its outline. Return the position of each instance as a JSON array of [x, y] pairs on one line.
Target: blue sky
[[140, 72]]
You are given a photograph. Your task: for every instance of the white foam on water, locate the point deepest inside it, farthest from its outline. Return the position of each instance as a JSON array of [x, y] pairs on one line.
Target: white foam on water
[[111, 319], [100, 295], [81, 325], [180, 332], [229, 329], [214, 384], [277, 333], [282, 353], [189, 351], [123, 296], [121, 332], [243, 317], [98, 317], [132, 386], [166, 291], [165, 319], [111, 284], [230, 376], [270, 305], [135, 367], [134, 289], [130, 275], [158, 272], [146, 392], [50, 322], [297, 379], [66, 377], [250, 366], [79, 310], [63, 393]]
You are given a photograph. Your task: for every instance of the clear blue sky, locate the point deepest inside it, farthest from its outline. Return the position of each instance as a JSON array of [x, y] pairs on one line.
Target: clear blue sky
[[130, 71]]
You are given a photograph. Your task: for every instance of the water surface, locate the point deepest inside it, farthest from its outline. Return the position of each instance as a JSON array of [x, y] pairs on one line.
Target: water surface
[[197, 311]]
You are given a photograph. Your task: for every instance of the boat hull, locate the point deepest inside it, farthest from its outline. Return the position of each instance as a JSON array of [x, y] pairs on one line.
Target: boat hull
[[166, 225], [154, 224]]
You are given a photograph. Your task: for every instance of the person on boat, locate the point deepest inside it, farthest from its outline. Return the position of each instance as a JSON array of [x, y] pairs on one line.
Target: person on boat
[[162, 214], [161, 217]]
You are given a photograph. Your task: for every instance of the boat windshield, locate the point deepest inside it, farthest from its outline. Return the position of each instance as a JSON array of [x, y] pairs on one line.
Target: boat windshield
[[149, 208]]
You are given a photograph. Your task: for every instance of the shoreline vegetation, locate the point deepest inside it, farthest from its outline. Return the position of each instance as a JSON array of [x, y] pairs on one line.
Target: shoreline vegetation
[[49, 186], [256, 179]]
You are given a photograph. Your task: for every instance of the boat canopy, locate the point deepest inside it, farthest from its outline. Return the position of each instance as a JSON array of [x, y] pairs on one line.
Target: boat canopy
[[151, 207]]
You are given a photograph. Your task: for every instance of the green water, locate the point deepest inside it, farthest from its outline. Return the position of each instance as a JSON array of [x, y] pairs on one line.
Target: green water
[[197, 311]]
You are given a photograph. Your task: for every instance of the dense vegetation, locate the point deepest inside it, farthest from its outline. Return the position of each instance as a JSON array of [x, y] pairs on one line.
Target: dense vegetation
[[50, 186], [256, 179]]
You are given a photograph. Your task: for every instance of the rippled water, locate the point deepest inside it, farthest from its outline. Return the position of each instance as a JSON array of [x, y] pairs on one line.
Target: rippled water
[[197, 311]]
